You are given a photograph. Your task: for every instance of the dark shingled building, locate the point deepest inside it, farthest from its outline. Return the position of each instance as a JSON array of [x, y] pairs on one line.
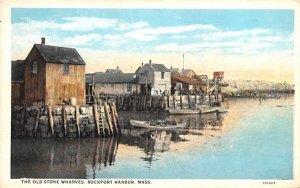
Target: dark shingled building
[[53, 74], [17, 82]]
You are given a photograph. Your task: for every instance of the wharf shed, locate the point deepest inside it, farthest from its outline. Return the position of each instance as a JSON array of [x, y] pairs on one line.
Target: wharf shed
[[54, 74], [184, 83], [113, 83], [17, 82], [154, 78]]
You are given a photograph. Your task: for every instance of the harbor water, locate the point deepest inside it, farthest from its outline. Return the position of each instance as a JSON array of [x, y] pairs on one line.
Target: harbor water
[[254, 140]]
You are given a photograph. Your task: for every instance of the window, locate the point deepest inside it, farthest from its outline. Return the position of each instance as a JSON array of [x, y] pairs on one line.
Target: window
[[34, 67], [65, 68], [162, 75], [129, 87]]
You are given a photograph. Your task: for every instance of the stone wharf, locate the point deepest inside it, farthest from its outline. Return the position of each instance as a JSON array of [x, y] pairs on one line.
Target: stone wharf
[[65, 121]]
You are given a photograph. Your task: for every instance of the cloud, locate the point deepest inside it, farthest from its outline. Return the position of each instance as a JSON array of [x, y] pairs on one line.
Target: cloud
[[86, 23], [149, 34], [234, 34], [213, 47], [82, 39], [130, 26]]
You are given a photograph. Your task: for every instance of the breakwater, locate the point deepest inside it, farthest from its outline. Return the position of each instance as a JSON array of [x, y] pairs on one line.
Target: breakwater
[[65, 121]]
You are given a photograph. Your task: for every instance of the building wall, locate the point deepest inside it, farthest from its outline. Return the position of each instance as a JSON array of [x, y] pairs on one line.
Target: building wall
[[17, 92], [162, 84], [116, 89], [61, 86], [146, 79], [35, 84]]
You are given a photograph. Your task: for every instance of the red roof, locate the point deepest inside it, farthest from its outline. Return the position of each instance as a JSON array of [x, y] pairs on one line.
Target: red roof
[[186, 80]]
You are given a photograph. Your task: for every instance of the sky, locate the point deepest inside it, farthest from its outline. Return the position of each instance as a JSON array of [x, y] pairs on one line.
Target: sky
[[246, 44]]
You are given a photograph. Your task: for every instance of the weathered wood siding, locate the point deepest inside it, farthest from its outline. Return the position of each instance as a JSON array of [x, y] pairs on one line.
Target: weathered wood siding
[[61, 86], [116, 88], [35, 84], [50, 85], [17, 92]]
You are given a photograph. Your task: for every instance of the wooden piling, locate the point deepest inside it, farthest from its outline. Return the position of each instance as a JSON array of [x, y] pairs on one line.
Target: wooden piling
[[114, 120], [180, 101], [50, 118], [77, 119], [174, 101], [37, 121], [189, 101], [64, 119], [196, 101], [108, 118], [96, 118]]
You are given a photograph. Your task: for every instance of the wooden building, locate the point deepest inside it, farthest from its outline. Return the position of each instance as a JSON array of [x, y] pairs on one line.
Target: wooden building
[[187, 85], [17, 82], [54, 74], [188, 73], [112, 83], [154, 78], [218, 75]]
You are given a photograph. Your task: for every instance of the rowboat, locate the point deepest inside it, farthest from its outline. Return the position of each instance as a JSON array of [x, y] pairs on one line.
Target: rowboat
[[183, 111], [155, 126]]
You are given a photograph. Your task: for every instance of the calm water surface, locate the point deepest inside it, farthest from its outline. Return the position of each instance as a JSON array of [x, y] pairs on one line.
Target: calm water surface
[[251, 141]]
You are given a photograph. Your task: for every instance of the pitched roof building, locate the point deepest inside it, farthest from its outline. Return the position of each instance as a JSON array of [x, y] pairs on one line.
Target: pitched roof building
[[53, 74]]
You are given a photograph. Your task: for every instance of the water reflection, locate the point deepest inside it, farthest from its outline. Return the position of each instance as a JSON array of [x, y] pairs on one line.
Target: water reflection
[[81, 158], [154, 142], [57, 158]]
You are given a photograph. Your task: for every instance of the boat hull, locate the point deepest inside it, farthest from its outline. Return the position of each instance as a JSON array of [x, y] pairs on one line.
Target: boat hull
[[144, 124]]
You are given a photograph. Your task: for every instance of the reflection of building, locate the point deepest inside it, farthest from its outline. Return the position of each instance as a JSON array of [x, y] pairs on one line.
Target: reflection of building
[[154, 78]]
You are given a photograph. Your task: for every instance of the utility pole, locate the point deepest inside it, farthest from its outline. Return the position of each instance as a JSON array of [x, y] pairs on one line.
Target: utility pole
[[182, 61]]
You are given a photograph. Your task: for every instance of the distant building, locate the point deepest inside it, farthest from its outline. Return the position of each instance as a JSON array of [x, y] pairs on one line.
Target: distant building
[[17, 82], [154, 78], [112, 83], [219, 75], [186, 84], [117, 70], [188, 73], [54, 74]]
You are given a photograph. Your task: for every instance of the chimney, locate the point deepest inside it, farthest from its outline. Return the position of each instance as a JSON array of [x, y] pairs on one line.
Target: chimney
[[142, 64], [171, 67], [117, 67], [150, 61], [43, 40]]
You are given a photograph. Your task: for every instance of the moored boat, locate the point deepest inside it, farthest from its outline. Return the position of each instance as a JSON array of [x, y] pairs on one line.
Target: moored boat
[[156, 125], [183, 111]]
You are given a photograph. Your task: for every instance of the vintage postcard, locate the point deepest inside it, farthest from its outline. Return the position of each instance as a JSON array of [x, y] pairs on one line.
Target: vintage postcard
[[149, 94]]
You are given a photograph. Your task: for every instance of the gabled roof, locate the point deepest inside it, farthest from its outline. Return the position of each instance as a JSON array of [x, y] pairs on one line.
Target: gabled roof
[[159, 67], [17, 70], [186, 71], [113, 71], [186, 80], [56, 54], [112, 78]]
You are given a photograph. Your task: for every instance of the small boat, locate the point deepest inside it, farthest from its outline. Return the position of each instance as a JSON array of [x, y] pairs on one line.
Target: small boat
[[183, 111], [156, 126], [222, 110], [207, 109]]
